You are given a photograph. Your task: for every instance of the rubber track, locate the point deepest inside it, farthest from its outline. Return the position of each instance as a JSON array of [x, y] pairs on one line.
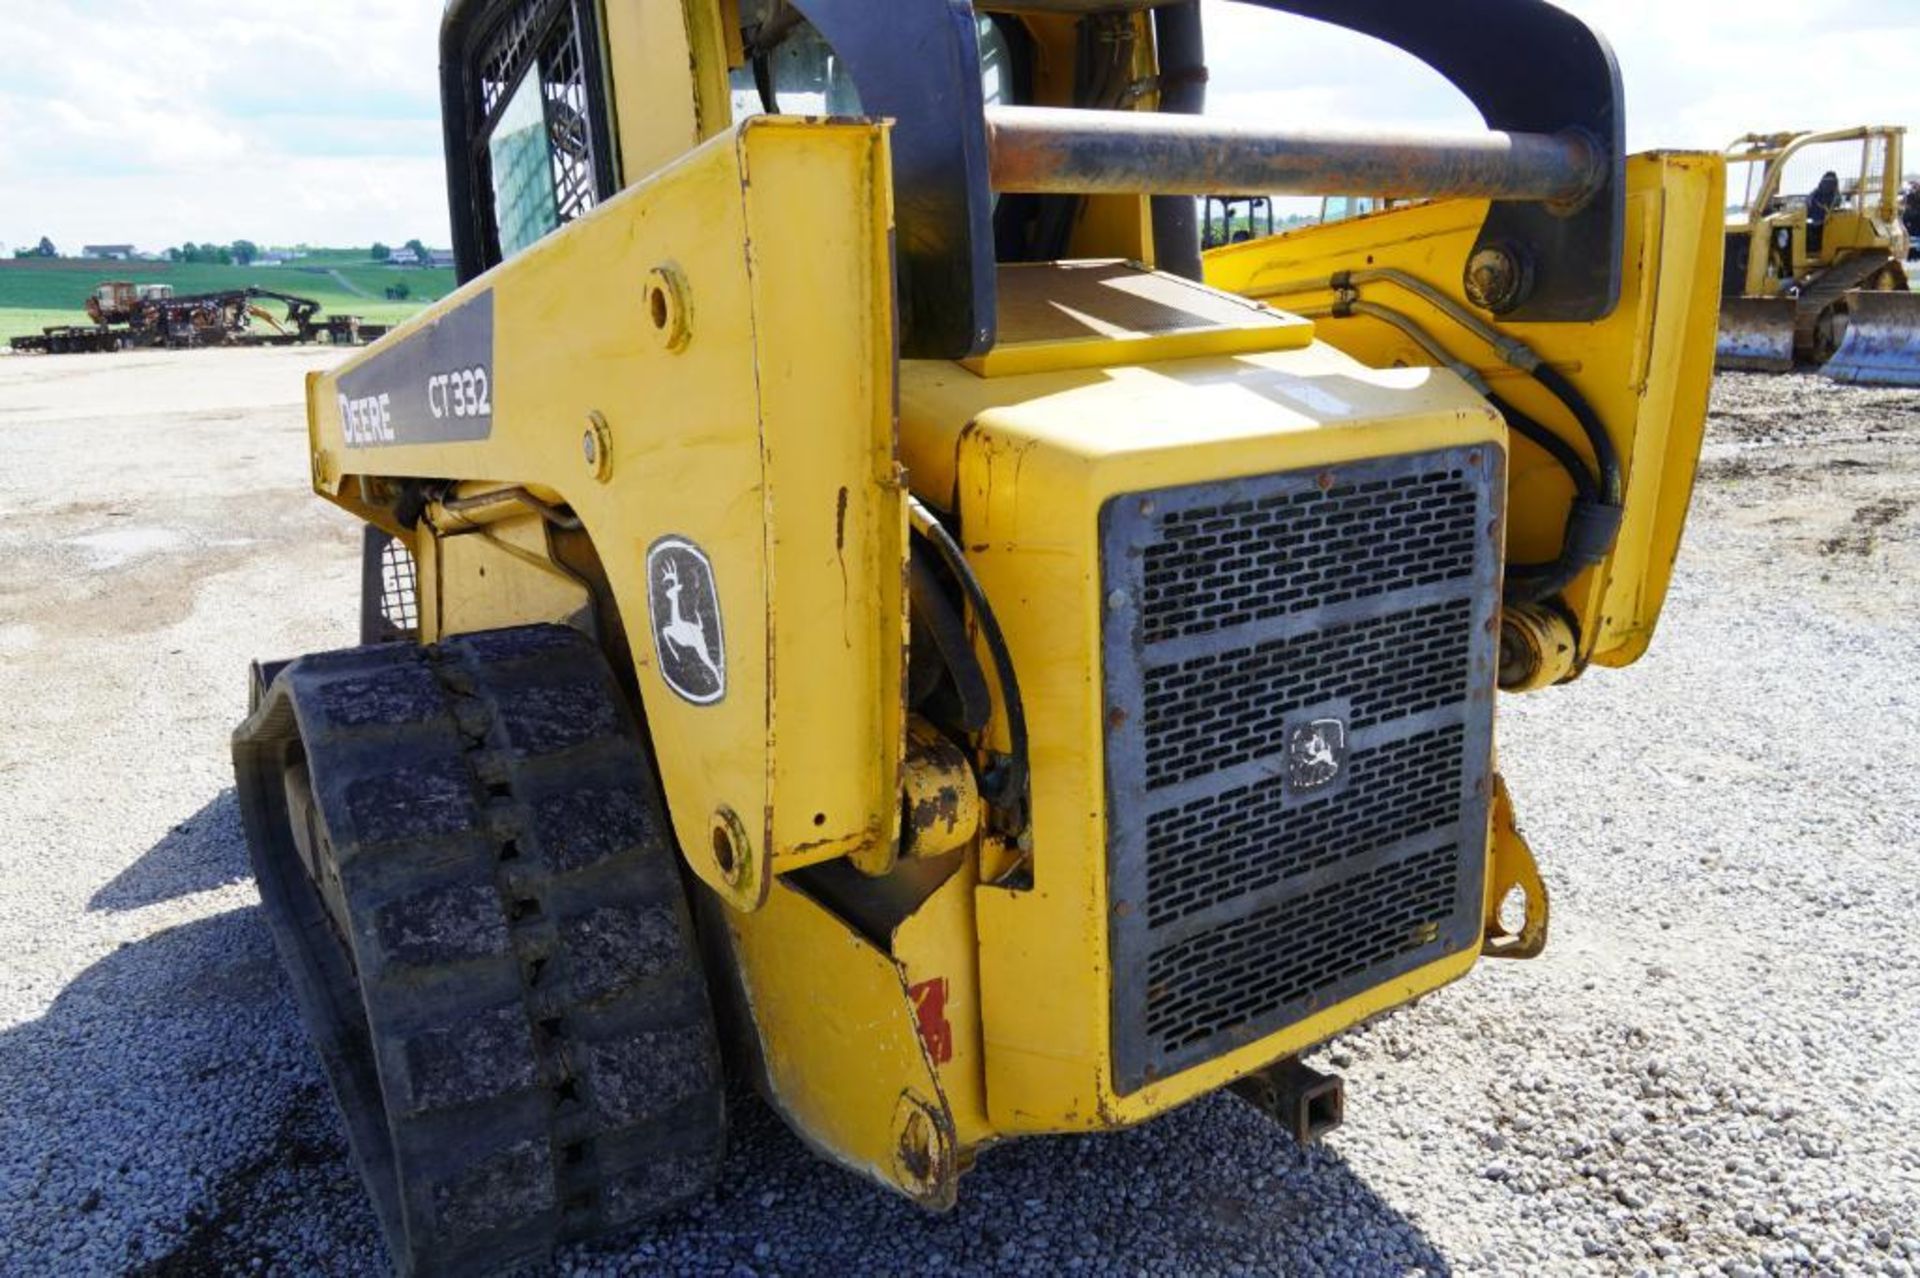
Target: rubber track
[[498, 967]]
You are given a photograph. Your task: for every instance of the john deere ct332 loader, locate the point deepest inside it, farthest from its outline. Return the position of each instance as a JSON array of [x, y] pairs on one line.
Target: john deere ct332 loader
[[855, 597]]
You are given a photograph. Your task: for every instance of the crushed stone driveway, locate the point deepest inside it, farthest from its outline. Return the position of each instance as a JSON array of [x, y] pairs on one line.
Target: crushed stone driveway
[[1713, 1068]]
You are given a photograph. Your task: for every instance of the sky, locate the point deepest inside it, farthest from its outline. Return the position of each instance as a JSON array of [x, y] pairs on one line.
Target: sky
[[159, 121]]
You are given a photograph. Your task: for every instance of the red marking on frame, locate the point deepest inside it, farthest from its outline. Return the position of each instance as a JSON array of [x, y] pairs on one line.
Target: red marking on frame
[[930, 1006]]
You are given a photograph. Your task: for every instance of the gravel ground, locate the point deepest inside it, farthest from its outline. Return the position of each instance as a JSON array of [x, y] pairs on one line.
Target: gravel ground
[[1711, 1070]]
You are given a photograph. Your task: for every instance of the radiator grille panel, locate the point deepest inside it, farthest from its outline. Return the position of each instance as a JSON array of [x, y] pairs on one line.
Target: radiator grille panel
[[1211, 712], [1298, 672], [1224, 978], [1242, 840], [1225, 565]]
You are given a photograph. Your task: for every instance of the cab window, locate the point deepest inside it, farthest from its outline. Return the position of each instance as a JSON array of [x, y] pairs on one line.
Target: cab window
[[790, 67], [524, 206], [542, 154], [792, 70], [1338, 208]]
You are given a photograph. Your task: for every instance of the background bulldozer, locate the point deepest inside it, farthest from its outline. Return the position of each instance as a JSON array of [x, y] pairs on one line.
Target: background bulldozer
[[863, 610], [1815, 269]]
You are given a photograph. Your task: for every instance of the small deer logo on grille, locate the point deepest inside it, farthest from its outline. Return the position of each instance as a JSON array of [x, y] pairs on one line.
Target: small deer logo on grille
[[1315, 753]]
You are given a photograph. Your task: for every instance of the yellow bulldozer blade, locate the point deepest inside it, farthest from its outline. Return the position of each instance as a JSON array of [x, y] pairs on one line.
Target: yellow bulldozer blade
[[1756, 334], [1880, 345]]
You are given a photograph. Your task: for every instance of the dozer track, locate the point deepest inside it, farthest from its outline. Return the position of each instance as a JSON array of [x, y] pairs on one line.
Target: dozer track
[[461, 851], [1776, 334], [1814, 338]]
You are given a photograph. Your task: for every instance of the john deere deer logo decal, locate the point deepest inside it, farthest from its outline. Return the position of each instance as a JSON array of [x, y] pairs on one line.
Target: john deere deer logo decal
[[687, 639], [1314, 753], [1316, 743]]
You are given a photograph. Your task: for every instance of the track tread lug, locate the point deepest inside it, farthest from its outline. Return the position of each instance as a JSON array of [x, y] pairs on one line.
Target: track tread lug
[[471, 1058], [536, 1060], [410, 803], [448, 923], [393, 697]]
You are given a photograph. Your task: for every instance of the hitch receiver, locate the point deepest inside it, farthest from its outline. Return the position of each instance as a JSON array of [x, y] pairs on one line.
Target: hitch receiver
[[1301, 1099]]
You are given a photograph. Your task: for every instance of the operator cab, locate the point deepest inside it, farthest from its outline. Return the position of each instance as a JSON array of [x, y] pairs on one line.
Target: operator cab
[[542, 155], [1027, 131], [1235, 219]]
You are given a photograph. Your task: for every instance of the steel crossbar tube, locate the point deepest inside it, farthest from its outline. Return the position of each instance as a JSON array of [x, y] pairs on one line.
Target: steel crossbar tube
[[1061, 151]]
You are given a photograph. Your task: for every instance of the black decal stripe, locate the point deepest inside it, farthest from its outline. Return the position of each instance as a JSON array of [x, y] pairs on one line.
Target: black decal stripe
[[438, 384]]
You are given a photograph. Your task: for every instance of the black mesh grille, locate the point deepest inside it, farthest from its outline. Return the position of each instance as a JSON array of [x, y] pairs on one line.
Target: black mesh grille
[[1254, 879], [1211, 712], [563, 81], [1226, 565], [1228, 977], [399, 595], [510, 50], [1223, 846]]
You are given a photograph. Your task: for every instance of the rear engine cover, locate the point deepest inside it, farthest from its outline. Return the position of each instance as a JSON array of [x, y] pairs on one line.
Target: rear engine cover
[[1301, 715]]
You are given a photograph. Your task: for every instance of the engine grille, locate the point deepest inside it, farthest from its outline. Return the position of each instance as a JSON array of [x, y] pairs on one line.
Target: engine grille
[[1299, 677]]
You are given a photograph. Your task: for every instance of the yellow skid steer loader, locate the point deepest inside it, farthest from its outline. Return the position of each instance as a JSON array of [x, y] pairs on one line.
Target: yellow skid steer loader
[[852, 599]]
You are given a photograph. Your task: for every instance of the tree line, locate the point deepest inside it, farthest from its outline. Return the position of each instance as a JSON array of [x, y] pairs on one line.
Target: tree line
[[238, 253], [381, 253]]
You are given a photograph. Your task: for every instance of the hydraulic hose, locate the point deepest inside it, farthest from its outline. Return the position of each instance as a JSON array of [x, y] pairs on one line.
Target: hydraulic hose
[[1511, 350], [1605, 455], [1554, 446], [1593, 518], [1006, 786]]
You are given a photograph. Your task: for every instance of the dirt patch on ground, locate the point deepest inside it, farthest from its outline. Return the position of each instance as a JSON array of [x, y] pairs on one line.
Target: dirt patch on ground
[[1819, 469], [1863, 533], [1771, 409]]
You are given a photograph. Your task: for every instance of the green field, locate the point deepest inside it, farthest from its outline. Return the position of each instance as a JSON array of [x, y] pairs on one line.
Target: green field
[[38, 292]]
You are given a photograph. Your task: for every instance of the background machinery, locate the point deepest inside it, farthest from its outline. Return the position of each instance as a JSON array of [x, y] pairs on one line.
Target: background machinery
[[1337, 208], [1815, 269], [1232, 219], [970, 681], [126, 314]]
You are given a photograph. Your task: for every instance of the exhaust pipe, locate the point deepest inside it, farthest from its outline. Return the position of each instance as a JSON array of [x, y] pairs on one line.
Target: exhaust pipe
[[1307, 1103], [1183, 91]]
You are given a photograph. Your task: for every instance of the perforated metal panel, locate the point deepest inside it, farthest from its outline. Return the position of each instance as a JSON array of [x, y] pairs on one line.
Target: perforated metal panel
[[1215, 565], [1299, 672]]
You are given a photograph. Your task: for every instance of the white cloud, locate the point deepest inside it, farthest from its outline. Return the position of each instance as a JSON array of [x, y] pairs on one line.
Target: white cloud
[[159, 121], [164, 120], [1697, 73]]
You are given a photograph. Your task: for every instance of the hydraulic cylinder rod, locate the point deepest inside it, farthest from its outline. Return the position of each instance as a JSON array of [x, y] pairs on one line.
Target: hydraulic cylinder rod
[[1060, 151]]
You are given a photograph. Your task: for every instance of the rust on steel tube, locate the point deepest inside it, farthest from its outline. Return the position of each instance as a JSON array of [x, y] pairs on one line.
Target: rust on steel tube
[[1060, 151]]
